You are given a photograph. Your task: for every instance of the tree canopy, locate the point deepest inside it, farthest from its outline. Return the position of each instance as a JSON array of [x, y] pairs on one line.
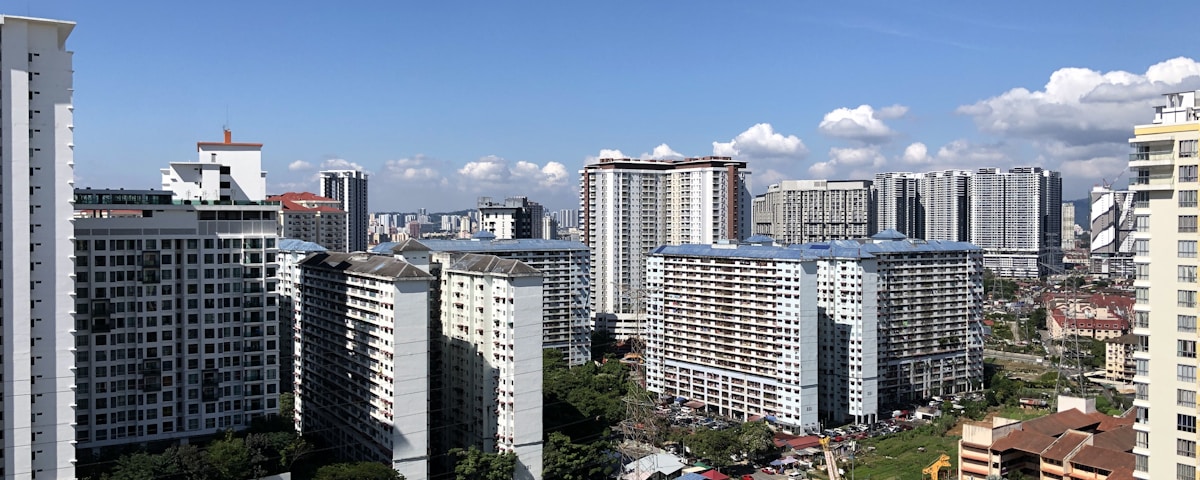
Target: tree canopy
[[474, 464], [358, 471]]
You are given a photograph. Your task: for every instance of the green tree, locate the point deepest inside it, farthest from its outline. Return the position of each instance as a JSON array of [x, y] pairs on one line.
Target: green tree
[[357, 471], [473, 464], [756, 439], [141, 465], [230, 457], [192, 463], [716, 446], [287, 408], [564, 460]]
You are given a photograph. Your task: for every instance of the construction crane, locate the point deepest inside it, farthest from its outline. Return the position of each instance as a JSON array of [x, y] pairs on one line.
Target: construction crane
[[934, 469], [830, 461]]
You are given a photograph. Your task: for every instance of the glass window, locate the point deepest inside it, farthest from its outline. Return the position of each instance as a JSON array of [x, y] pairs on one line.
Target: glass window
[[1186, 373], [1187, 273], [1141, 247], [1187, 249], [1184, 471], [1187, 198], [1185, 298], [1185, 323], [1185, 398], [1187, 173], [1187, 224], [1186, 448]]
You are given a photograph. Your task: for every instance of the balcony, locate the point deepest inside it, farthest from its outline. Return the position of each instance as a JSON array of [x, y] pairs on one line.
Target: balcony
[[1152, 158], [1162, 181]]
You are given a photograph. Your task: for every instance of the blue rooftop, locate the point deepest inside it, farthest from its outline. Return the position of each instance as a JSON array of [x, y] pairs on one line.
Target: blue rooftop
[[484, 235], [832, 249], [889, 234], [295, 245], [480, 245]]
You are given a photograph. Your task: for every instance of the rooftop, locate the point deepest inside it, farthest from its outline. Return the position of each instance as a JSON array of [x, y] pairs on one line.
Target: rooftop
[[295, 245], [363, 263], [473, 262], [480, 245], [812, 251]]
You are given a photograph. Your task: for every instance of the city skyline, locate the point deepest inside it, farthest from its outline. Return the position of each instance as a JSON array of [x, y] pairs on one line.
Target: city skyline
[[407, 100]]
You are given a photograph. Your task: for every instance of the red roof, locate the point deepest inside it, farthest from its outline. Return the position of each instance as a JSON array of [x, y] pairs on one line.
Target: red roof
[[301, 197], [715, 475], [794, 442]]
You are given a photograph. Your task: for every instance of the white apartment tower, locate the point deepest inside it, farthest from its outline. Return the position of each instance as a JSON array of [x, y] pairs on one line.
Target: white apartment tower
[[1165, 163], [312, 218], [176, 316], [350, 188], [491, 358], [225, 172], [515, 217], [947, 205], [1112, 225], [899, 204], [628, 207], [362, 358], [566, 314], [1016, 216], [1068, 226], [801, 211], [36, 283]]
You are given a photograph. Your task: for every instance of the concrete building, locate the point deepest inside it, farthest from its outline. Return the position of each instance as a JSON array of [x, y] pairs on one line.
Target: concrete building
[[899, 204], [312, 218], [1097, 316], [1119, 364], [1112, 223], [896, 319], [1016, 216], [1077, 442], [515, 217], [225, 172], [1164, 165], [292, 253], [491, 358], [36, 284], [1068, 226], [566, 314], [802, 211], [629, 207], [947, 205], [362, 358], [350, 188], [176, 321]]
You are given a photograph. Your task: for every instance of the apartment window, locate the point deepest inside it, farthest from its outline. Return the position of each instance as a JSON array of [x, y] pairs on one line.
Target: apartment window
[[1187, 348], [1187, 173], [1185, 298], [1185, 323], [1187, 224], [1141, 463], [1142, 223], [1183, 447], [1141, 271], [1141, 391], [1187, 273], [1185, 471], [1187, 249], [1142, 439], [1185, 423], [1141, 295], [1185, 398], [1141, 247], [1187, 148], [1186, 373], [1187, 199], [1143, 367]]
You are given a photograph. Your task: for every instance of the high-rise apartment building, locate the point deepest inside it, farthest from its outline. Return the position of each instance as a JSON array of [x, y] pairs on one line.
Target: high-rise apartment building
[[1165, 163], [177, 329], [36, 285], [1112, 223], [895, 320], [226, 171], [491, 358], [515, 217], [362, 358], [1016, 216], [312, 218], [350, 188], [292, 253], [566, 311], [946, 202], [629, 207], [899, 204], [1068, 226], [801, 211]]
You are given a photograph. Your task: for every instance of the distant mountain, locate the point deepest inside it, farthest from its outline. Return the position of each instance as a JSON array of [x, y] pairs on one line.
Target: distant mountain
[[1083, 212]]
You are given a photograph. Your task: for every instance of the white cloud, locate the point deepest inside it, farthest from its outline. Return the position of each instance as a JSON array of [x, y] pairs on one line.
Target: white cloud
[[340, 164], [662, 151], [861, 124], [605, 153], [761, 142], [850, 162], [495, 172], [1081, 106], [419, 168], [299, 165], [916, 154]]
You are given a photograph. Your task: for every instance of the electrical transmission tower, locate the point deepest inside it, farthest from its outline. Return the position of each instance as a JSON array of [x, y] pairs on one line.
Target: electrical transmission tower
[[640, 426]]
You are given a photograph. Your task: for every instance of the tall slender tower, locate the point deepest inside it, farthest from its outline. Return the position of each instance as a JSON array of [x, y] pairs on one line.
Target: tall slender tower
[[36, 266], [350, 188], [899, 205], [1165, 164]]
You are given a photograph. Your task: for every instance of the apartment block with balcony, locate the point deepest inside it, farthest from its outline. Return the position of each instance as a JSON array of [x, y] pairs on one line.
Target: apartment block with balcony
[[1165, 166], [362, 358], [801, 211], [515, 217], [178, 333], [566, 313], [1016, 217], [312, 218], [1119, 365], [629, 207], [490, 364]]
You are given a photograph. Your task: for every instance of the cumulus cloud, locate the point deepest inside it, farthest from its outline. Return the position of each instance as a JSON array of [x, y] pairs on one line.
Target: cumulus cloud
[[499, 172], [418, 168], [762, 142], [915, 154], [340, 164], [862, 124], [299, 165], [1080, 106], [662, 151], [851, 162]]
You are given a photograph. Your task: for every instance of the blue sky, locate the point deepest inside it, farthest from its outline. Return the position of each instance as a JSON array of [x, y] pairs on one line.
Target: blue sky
[[446, 101]]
